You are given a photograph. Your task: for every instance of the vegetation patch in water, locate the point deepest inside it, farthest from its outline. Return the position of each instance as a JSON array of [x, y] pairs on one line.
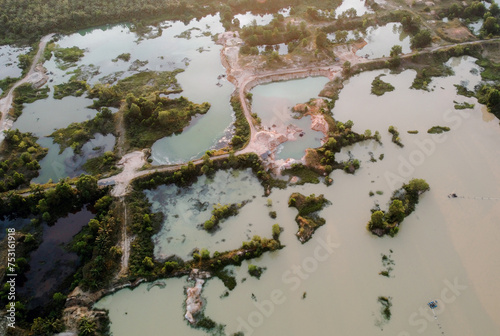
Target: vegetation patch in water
[[6, 84], [307, 218], [438, 129], [124, 57], [385, 309], [395, 136], [19, 155], [387, 262], [220, 213], [140, 84], [227, 276], [403, 202], [413, 132], [463, 91], [152, 118], [463, 106], [379, 87], [255, 271], [77, 134], [74, 88], [68, 57]]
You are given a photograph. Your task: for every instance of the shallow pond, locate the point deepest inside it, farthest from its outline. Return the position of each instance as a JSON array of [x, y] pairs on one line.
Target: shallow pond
[[445, 249], [57, 165], [259, 19], [281, 48], [9, 63], [273, 103], [186, 209], [51, 263]]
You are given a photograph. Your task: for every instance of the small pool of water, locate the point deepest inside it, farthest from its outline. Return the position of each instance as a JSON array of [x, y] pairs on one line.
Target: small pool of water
[[51, 263], [9, 63], [186, 209], [55, 165], [358, 5], [296, 149], [381, 39]]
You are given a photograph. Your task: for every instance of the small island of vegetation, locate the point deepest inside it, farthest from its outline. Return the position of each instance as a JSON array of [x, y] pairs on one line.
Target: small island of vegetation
[[307, 218], [403, 202]]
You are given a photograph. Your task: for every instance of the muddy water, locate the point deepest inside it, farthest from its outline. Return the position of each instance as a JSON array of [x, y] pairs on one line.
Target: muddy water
[[445, 250]]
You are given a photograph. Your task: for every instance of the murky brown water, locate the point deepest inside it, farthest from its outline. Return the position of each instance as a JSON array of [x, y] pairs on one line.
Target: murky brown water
[[446, 250]]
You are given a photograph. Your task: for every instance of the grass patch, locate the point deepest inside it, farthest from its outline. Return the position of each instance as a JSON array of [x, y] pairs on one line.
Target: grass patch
[[74, 88], [140, 84], [304, 173], [19, 159], [413, 132], [379, 87], [438, 129], [425, 74]]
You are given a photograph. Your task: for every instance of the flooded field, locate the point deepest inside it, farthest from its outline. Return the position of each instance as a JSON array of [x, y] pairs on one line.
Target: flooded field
[[440, 253], [51, 262]]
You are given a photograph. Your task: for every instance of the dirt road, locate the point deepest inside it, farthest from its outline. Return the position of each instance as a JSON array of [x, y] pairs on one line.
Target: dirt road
[[33, 76]]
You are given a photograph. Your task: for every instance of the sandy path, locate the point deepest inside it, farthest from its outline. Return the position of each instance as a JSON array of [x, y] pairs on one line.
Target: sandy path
[[33, 76]]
